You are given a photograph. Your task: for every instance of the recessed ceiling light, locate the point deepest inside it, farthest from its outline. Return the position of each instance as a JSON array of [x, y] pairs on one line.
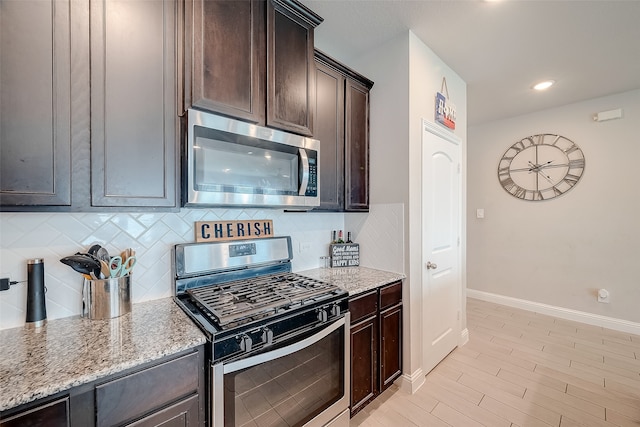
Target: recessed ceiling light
[[544, 85]]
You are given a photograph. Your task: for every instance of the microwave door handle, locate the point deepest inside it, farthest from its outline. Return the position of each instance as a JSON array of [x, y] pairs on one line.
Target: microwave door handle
[[304, 160]]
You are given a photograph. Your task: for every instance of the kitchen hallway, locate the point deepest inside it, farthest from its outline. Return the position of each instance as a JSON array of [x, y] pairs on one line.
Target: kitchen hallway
[[520, 368]]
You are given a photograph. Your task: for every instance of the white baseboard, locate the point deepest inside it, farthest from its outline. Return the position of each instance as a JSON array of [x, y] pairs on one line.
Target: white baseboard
[[411, 383], [464, 337], [560, 312]]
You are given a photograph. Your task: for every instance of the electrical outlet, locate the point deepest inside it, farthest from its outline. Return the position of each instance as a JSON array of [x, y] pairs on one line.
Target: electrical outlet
[[304, 246], [603, 296]]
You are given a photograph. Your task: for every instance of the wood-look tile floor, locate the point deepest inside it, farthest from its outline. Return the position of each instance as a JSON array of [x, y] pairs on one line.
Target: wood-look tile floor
[[522, 369]]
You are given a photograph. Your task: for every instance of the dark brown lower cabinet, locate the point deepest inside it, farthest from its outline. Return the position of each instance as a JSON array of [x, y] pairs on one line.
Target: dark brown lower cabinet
[[168, 392], [147, 391], [364, 337], [50, 414], [181, 414], [390, 346], [376, 342]]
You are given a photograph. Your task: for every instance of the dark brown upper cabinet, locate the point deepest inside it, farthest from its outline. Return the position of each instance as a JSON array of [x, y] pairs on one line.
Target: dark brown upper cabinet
[[330, 131], [35, 103], [225, 57], [290, 67], [133, 104], [252, 60], [342, 126], [88, 101], [356, 141]]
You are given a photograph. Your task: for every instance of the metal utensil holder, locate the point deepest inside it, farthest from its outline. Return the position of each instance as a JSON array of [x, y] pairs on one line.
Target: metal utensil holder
[[106, 298]]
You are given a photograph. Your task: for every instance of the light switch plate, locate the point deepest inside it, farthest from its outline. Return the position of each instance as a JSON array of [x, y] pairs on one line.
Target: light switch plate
[[480, 213]]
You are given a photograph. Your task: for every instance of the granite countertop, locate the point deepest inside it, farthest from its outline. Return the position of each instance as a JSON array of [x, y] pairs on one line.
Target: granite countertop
[[36, 363], [354, 279]]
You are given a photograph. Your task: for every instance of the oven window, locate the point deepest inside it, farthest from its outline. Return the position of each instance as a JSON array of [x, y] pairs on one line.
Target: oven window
[[290, 390]]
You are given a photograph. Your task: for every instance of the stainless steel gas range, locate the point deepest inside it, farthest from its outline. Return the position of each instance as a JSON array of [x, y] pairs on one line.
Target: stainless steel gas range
[[279, 341]]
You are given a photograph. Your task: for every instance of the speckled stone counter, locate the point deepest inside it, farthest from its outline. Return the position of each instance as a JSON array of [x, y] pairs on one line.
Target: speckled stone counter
[[354, 279], [35, 363]]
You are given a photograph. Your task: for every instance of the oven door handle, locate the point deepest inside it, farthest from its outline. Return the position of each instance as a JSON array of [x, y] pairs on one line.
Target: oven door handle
[[284, 351]]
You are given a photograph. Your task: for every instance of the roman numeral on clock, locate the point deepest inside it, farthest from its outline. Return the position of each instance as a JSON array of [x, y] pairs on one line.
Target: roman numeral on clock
[[577, 163], [571, 179], [519, 192], [508, 184]]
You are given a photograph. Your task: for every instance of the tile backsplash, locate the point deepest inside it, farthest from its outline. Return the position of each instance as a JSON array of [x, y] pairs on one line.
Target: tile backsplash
[[52, 236]]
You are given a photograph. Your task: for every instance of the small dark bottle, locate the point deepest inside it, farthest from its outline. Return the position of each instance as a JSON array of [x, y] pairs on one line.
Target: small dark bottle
[[340, 237], [334, 240], [36, 306], [349, 237]]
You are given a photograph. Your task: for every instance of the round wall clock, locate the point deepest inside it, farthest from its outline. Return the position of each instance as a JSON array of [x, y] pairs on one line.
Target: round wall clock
[[541, 167]]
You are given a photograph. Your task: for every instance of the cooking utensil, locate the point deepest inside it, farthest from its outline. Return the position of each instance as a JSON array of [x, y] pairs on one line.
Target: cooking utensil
[[104, 270], [93, 250], [103, 254], [119, 268], [82, 263], [127, 253]]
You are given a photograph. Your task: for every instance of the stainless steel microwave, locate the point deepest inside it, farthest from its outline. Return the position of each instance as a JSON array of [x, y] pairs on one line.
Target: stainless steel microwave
[[234, 163]]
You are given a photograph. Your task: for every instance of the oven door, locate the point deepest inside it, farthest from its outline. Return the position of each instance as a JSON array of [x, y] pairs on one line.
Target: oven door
[[303, 383]]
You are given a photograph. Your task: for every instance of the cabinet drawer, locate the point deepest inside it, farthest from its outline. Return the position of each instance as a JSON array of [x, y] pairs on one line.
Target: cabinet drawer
[[53, 414], [390, 295], [141, 392], [182, 413], [363, 305]]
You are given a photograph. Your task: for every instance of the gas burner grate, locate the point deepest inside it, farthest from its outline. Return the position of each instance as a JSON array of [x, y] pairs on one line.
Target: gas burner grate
[[253, 298]]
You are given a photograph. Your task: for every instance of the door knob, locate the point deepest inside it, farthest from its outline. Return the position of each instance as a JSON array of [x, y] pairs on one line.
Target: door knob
[[431, 265]]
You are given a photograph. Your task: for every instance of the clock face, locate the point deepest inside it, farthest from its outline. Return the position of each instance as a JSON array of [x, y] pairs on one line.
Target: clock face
[[541, 167]]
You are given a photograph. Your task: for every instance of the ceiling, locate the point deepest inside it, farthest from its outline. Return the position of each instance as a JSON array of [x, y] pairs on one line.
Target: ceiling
[[501, 48]]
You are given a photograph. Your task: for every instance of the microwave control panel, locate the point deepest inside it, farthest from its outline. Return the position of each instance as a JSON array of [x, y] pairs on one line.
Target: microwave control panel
[[312, 186]]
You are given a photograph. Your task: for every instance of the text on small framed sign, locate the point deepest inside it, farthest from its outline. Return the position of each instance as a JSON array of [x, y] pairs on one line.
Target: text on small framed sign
[[345, 254]]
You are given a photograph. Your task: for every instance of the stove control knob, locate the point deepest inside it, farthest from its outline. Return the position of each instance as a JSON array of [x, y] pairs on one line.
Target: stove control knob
[[323, 316], [335, 310], [245, 342], [267, 336]]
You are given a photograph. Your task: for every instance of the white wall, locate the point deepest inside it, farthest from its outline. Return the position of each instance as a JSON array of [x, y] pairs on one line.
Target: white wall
[[53, 236], [407, 75], [380, 233], [559, 252]]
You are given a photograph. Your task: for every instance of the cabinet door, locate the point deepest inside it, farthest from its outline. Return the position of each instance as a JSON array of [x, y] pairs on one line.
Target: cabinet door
[[390, 346], [133, 103], [356, 147], [227, 45], [145, 391], [180, 414], [290, 66], [35, 103], [53, 414], [364, 349], [329, 129]]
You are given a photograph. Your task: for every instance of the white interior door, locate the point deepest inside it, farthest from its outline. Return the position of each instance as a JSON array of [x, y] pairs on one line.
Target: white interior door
[[441, 259]]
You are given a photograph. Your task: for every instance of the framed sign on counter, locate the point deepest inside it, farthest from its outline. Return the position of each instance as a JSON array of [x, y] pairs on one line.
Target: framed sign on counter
[[344, 254]]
